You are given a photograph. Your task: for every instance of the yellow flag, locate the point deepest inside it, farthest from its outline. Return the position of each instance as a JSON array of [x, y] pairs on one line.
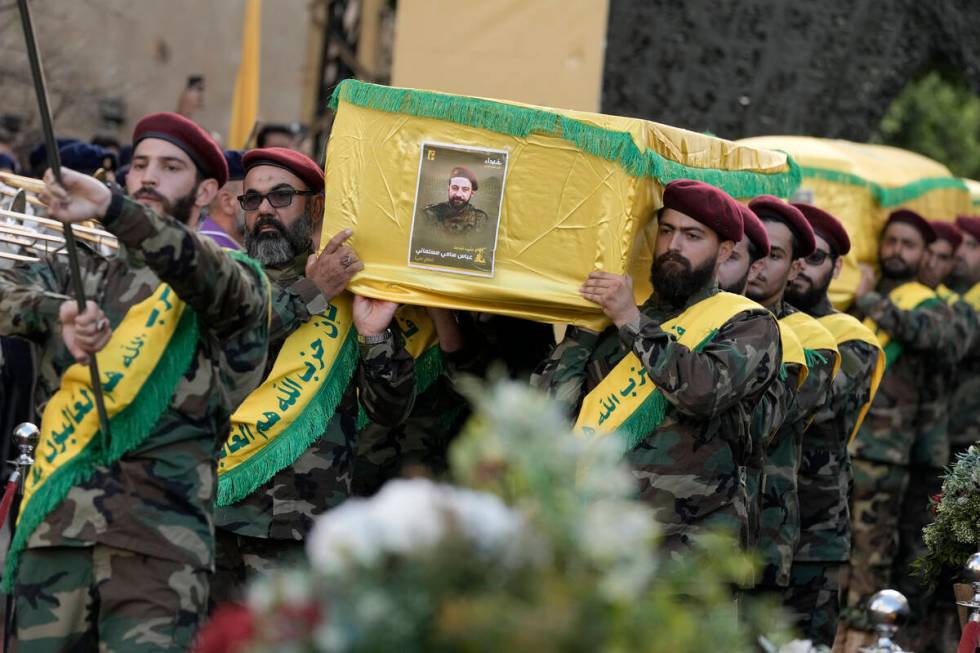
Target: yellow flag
[[245, 103]]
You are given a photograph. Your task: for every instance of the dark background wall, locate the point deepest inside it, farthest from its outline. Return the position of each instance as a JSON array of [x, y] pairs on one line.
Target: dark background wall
[[749, 67]]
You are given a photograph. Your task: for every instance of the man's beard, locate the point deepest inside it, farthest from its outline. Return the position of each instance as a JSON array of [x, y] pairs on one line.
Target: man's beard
[[897, 269], [458, 204], [282, 245], [807, 299], [675, 286], [180, 209], [738, 287]]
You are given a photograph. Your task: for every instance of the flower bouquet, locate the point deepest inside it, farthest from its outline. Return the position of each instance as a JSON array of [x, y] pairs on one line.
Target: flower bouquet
[[540, 546], [955, 534]]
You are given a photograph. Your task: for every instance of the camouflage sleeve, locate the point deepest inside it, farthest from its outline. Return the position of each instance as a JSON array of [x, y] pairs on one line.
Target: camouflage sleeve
[[227, 295], [963, 327], [852, 385], [386, 381], [815, 391], [28, 306], [562, 375], [292, 306], [740, 361], [922, 329], [775, 404]]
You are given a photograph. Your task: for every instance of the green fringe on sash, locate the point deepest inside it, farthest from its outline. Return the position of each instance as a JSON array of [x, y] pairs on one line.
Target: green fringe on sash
[[129, 429], [812, 357], [886, 197], [519, 121], [428, 367], [282, 451], [651, 412]]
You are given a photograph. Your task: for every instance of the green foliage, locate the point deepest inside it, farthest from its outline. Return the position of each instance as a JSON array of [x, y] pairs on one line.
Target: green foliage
[[542, 546], [955, 534], [938, 116]]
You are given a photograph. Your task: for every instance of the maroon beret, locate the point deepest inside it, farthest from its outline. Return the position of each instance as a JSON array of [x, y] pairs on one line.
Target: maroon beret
[[206, 154], [754, 230], [709, 205], [947, 231], [773, 208], [914, 219], [827, 227], [969, 224], [466, 173], [282, 157]]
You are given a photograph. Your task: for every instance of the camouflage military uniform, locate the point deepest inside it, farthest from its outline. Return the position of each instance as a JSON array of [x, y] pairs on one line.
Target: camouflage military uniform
[[767, 417], [964, 402], [420, 445], [779, 532], [444, 216], [691, 469], [929, 455], [125, 557], [893, 429], [267, 528], [824, 487]]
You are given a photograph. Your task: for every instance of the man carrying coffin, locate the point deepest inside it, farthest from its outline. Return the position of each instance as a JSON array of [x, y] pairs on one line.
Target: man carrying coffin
[[769, 414], [791, 239], [289, 457], [912, 323], [679, 375], [825, 467], [115, 536]]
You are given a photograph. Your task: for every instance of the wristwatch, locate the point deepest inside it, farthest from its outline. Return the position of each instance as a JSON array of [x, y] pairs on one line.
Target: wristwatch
[[384, 336]]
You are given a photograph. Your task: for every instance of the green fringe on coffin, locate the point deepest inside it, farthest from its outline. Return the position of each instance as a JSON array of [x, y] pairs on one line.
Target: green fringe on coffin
[[428, 367], [238, 483], [651, 412], [521, 121], [129, 429], [886, 197]]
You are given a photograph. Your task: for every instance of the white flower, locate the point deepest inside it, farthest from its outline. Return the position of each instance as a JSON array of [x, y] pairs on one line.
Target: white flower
[[405, 517]]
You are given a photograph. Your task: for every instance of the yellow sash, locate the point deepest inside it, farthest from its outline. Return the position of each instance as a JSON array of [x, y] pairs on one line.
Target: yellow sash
[[847, 328], [972, 297], [906, 297], [813, 336], [947, 294], [286, 414], [144, 360], [793, 352], [626, 400]]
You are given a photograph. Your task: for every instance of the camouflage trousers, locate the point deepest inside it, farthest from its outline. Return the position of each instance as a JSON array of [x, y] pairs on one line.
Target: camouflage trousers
[[100, 598], [238, 559], [813, 596]]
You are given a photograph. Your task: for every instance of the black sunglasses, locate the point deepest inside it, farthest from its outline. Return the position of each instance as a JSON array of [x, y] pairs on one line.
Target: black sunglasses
[[817, 258], [278, 198]]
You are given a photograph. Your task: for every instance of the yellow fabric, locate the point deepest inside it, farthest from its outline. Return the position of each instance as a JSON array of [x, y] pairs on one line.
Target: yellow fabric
[[847, 328], [245, 102], [564, 213], [854, 204], [302, 367], [906, 297], [626, 387], [947, 294], [417, 329], [972, 297], [70, 421], [793, 351], [813, 335]]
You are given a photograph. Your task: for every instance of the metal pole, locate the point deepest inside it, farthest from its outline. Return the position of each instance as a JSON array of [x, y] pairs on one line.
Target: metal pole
[[54, 160]]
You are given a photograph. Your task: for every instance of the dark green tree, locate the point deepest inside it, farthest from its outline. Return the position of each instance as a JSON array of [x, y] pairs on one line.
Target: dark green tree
[[937, 115]]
